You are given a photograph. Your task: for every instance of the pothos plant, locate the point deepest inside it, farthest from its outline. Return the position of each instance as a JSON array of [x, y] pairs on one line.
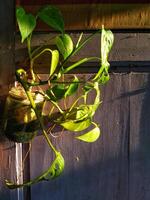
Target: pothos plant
[[24, 105]]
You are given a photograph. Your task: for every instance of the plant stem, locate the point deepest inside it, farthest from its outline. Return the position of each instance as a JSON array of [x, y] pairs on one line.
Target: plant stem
[[79, 47], [33, 105], [40, 120]]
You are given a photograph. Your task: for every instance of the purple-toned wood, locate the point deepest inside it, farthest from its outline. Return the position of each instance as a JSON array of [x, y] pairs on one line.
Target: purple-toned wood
[[7, 148]]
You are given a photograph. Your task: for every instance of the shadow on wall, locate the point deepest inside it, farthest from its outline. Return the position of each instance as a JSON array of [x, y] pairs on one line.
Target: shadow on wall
[[116, 167]]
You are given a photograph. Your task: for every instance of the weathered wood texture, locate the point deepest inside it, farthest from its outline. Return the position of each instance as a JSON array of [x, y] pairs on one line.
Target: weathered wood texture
[[7, 149], [117, 165], [139, 137], [87, 16], [129, 50], [93, 171]]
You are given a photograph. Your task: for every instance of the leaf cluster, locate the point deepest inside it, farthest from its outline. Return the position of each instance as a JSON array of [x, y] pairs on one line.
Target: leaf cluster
[[79, 116]]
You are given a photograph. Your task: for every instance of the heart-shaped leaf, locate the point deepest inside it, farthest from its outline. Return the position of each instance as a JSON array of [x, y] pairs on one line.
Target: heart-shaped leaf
[[90, 136], [26, 22], [52, 17], [64, 44], [53, 171]]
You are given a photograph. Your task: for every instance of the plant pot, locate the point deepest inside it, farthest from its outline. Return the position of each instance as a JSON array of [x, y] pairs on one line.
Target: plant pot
[[21, 124]]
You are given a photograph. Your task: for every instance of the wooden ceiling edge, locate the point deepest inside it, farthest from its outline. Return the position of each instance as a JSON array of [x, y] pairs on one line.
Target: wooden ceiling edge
[[92, 16]]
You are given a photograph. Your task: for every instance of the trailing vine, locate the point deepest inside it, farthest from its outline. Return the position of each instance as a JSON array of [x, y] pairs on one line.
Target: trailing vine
[[79, 116]]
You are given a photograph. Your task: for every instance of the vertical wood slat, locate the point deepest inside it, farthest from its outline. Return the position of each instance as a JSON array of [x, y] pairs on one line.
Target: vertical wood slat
[[7, 149], [140, 137], [93, 171]]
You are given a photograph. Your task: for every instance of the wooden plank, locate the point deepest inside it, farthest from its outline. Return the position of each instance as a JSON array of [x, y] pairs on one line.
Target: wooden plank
[[43, 2], [139, 137], [7, 149], [93, 15], [93, 171], [129, 50]]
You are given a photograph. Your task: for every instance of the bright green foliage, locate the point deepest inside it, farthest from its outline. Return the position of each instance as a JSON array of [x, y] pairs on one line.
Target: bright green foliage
[[72, 125], [64, 44], [52, 172], [62, 91], [90, 136], [72, 88], [79, 116], [52, 17], [54, 61], [26, 23], [107, 39]]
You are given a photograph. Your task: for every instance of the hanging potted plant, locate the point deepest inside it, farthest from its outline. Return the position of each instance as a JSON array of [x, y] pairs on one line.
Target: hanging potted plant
[[26, 100]]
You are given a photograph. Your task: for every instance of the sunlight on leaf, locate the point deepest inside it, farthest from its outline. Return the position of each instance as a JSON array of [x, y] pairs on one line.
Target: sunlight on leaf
[[90, 136], [72, 87], [54, 61], [71, 125], [107, 40], [53, 171], [26, 22], [64, 44]]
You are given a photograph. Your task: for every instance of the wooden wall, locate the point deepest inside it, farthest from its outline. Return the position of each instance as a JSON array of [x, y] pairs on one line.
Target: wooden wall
[[7, 68], [116, 167], [91, 14]]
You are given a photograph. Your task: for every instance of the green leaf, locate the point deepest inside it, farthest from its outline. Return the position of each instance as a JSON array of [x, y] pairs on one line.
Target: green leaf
[[60, 91], [64, 44], [54, 61], [76, 126], [90, 136], [52, 172], [72, 87], [57, 92], [104, 78], [52, 17], [26, 22], [107, 39], [56, 168]]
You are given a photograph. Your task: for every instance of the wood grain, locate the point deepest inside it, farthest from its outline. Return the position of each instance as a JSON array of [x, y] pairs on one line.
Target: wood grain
[[140, 137], [7, 149], [91, 16], [130, 50], [93, 171]]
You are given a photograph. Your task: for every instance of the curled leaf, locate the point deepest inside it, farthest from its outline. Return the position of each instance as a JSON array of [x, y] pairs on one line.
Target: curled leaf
[[107, 39], [53, 171], [90, 136], [54, 61]]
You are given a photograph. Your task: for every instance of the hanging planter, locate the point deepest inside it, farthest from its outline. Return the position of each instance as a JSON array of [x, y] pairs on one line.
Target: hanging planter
[[21, 123], [24, 114]]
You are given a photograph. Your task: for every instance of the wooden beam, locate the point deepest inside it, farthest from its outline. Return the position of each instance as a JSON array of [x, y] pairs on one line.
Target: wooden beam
[[92, 16], [7, 67]]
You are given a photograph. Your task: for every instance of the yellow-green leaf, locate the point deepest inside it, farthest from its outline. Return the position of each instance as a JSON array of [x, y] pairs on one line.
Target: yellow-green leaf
[[26, 22], [90, 136], [54, 61], [52, 172], [76, 126], [64, 44]]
